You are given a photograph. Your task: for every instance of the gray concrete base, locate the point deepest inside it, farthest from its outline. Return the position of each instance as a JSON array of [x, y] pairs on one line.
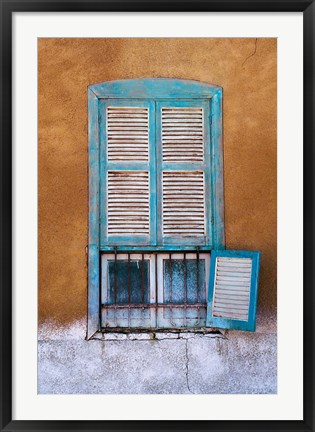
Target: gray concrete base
[[239, 362]]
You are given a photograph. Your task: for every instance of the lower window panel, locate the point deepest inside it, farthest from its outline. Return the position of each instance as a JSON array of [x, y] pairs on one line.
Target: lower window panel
[[154, 290]]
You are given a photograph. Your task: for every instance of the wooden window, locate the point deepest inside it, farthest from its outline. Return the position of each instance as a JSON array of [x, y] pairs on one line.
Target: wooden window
[[155, 187], [155, 165]]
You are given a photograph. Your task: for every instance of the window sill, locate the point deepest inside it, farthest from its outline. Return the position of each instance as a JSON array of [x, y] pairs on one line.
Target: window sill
[[158, 334]]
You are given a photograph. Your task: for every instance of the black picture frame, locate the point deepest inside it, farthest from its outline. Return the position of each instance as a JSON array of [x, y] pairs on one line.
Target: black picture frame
[[7, 9]]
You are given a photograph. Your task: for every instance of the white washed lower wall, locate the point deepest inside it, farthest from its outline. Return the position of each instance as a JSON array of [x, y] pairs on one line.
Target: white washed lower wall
[[238, 362]]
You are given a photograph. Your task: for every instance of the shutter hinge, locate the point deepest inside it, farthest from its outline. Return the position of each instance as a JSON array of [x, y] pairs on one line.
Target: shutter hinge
[[212, 220]]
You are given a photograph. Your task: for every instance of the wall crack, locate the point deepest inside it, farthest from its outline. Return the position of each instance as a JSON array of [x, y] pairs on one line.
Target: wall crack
[[253, 53], [187, 368]]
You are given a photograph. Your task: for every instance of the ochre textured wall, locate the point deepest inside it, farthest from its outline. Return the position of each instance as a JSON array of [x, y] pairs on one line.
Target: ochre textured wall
[[245, 68]]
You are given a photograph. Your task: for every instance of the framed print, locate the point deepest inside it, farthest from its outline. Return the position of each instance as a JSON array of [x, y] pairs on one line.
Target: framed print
[[157, 215]]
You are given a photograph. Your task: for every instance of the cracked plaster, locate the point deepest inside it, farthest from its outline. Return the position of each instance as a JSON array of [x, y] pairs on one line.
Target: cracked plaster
[[169, 363]]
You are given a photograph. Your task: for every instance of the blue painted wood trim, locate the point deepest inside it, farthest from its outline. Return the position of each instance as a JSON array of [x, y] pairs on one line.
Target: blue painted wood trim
[[103, 168], [186, 166], [125, 166], [159, 170], [157, 88], [140, 248], [153, 174], [127, 240], [208, 175], [93, 245], [217, 172], [225, 323]]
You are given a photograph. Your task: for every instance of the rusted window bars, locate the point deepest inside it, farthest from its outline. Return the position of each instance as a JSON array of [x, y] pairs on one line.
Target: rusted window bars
[[133, 299]]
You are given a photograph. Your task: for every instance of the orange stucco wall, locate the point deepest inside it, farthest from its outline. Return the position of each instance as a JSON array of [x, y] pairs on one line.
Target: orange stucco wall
[[245, 68]]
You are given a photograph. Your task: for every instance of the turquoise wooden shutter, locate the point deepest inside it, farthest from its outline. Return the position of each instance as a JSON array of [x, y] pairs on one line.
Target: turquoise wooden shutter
[[233, 289], [183, 150], [127, 175]]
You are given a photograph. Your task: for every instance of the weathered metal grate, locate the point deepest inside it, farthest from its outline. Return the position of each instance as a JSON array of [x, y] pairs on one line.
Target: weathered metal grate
[[154, 290]]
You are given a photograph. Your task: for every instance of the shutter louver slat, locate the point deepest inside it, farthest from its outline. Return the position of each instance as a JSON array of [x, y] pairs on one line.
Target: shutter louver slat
[[128, 203], [127, 134], [183, 204], [232, 288], [182, 134]]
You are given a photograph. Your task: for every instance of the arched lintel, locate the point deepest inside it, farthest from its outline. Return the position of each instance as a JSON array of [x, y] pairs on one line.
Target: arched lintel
[[155, 88]]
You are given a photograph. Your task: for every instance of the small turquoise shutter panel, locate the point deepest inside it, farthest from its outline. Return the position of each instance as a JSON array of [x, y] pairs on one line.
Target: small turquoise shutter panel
[[127, 133], [233, 290], [183, 149]]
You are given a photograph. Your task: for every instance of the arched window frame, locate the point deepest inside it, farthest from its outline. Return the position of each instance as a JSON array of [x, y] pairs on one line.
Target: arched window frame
[[148, 89]]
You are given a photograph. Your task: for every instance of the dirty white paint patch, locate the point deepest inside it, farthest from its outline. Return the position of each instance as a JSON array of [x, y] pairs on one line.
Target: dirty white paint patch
[[50, 330]]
